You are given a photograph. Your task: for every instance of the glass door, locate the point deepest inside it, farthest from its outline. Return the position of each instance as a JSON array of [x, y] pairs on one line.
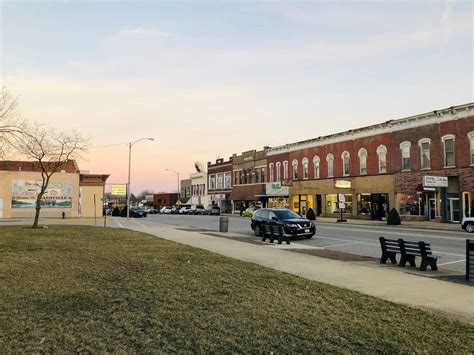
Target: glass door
[[454, 212]]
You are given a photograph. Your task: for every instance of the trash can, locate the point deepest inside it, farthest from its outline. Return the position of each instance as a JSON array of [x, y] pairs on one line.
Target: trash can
[[224, 224]]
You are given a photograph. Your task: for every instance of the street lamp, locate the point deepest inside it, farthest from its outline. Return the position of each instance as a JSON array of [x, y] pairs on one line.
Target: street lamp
[[130, 145], [177, 174]]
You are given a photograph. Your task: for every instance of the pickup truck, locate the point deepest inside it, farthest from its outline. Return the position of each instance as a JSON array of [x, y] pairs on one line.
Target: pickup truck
[[468, 224]]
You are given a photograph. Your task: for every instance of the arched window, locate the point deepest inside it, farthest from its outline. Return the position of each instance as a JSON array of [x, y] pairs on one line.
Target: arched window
[[363, 161], [278, 171], [405, 148], [316, 162], [346, 158], [448, 144], [425, 153], [305, 168], [382, 154], [330, 161], [285, 169], [294, 164], [270, 171]]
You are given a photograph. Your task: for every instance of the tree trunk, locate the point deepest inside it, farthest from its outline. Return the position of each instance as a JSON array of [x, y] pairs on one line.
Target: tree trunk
[[38, 209]]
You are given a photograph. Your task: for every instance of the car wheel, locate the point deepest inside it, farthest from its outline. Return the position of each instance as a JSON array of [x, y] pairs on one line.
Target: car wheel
[[470, 228], [257, 231]]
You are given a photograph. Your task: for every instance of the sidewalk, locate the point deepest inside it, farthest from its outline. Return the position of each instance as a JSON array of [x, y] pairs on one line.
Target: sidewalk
[[449, 299]]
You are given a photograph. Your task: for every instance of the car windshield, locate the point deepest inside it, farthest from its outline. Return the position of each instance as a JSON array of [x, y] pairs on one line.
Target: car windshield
[[287, 214]]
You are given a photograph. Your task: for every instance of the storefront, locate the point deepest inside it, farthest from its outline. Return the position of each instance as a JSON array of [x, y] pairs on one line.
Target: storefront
[[244, 196], [468, 204], [277, 195]]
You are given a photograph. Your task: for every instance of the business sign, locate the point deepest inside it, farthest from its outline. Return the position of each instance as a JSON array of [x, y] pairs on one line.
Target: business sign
[[342, 198], [343, 184], [276, 185], [342, 205], [119, 190], [286, 183], [435, 181], [57, 195]]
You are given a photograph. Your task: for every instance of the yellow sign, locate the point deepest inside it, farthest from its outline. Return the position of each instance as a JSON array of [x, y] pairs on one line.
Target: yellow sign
[[178, 203], [119, 190], [343, 184]]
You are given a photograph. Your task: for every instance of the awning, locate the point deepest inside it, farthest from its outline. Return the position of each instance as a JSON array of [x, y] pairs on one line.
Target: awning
[[247, 192]]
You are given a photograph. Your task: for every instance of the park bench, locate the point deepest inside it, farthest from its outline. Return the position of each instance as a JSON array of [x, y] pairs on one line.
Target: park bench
[[274, 231], [390, 248], [410, 250]]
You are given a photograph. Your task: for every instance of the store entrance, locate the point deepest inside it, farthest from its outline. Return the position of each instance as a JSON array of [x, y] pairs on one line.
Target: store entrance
[[378, 206], [432, 209], [453, 210], [319, 205]]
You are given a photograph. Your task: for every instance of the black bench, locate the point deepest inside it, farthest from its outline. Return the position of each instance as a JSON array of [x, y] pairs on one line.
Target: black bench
[[390, 248], [274, 231], [410, 250]]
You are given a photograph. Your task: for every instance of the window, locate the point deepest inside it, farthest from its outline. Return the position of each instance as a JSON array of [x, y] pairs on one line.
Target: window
[[330, 161], [346, 157], [237, 177], [382, 154], [305, 168], [285, 169], [470, 135], [425, 161], [278, 171], [363, 161], [405, 148], [316, 162], [256, 173], [295, 169], [227, 180], [220, 181], [270, 171], [263, 174], [448, 143], [212, 181]]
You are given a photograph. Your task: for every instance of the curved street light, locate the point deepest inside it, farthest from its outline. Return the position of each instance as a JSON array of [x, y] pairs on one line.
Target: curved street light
[[130, 145], [177, 174]]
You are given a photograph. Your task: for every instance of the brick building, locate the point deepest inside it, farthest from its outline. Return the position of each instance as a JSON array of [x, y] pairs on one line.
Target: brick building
[[186, 194], [220, 184], [165, 199], [375, 168]]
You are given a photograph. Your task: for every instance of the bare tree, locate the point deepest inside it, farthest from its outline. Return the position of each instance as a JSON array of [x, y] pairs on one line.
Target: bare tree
[[10, 122], [51, 149]]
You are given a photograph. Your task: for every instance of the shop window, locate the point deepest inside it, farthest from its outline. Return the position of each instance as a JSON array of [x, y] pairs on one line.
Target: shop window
[[409, 204], [382, 154], [425, 157], [285, 169], [448, 144], [212, 181], [305, 168], [471, 143], [270, 171], [364, 205], [330, 161], [263, 175], [278, 171], [346, 157], [405, 148], [332, 204], [295, 169], [363, 161], [316, 163]]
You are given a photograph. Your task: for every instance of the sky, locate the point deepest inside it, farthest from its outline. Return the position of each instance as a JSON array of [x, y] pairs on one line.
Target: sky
[[207, 79]]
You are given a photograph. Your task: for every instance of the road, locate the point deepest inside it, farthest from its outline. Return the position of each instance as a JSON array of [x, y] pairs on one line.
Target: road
[[349, 238], [356, 239]]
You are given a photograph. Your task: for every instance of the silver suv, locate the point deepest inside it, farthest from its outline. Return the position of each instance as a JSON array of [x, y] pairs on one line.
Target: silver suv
[[468, 224]]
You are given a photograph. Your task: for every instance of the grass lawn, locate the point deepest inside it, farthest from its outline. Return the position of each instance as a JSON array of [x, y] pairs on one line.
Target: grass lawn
[[72, 288]]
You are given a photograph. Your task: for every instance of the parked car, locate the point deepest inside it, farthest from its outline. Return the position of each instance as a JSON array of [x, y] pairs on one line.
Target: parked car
[[249, 212], [166, 210], [186, 209], [175, 210], [107, 211], [197, 209], [212, 211], [468, 224], [137, 212], [293, 224]]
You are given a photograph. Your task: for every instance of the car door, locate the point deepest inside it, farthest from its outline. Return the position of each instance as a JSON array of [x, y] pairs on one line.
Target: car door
[[273, 221]]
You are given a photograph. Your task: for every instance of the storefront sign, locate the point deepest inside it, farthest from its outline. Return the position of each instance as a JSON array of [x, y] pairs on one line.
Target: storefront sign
[[343, 184], [119, 190], [435, 181], [57, 195], [286, 183], [276, 185]]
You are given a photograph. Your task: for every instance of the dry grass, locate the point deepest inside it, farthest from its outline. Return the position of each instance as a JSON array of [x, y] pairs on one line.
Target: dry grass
[[86, 289]]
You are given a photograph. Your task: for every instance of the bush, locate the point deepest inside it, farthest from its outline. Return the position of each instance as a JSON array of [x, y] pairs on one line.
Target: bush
[[394, 218], [310, 214], [116, 212], [123, 213]]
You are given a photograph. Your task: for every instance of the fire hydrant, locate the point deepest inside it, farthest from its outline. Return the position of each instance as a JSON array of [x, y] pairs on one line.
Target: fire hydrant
[[63, 215]]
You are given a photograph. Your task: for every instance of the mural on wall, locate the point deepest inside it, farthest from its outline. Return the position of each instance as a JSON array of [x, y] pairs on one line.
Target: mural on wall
[[58, 194]]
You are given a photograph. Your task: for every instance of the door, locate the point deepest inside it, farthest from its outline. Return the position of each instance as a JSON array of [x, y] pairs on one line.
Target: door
[[319, 205], [1, 208], [454, 212], [303, 208], [432, 209]]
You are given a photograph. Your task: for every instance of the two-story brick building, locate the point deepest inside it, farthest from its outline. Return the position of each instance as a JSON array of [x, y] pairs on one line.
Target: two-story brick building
[[220, 184], [421, 165]]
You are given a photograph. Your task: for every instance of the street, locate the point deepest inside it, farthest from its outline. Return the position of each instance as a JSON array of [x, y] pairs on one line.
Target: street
[[355, 239]]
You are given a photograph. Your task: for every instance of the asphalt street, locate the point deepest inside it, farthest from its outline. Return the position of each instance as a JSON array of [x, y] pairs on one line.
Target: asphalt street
[[349, 238]]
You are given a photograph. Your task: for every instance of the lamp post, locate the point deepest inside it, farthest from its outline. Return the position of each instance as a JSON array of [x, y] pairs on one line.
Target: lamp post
[[130, 145], [177, 174]]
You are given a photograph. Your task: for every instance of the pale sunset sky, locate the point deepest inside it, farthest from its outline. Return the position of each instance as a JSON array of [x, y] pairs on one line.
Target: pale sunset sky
[[212, 78]]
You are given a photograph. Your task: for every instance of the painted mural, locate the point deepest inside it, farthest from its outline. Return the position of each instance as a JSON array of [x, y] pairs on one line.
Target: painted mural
[[58, 194]]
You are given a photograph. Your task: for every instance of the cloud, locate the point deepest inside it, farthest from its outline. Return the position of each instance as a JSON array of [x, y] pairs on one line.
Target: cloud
[[141, 31]]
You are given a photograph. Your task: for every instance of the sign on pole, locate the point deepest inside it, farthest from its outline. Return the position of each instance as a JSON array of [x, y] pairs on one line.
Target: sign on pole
[[342, 198], [119, 190], [342, 205]]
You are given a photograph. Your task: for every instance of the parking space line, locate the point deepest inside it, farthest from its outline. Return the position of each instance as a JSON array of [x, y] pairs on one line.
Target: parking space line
[[453, 262], [341, 245], [140, 224], [119, 224]]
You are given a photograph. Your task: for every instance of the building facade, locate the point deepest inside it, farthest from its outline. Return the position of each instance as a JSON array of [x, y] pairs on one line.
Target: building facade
[[249, 177], [185, 195], [165, 199], [69, 191], [220, 184], [421, 165], [199, 189]]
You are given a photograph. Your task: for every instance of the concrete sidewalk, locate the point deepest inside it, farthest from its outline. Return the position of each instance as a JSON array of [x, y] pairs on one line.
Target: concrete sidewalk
[[452, 300]]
